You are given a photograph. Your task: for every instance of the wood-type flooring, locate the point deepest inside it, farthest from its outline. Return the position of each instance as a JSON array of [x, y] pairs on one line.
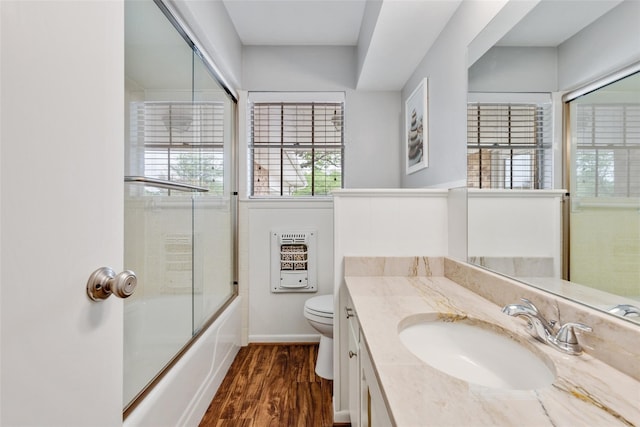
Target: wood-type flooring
[[272, 385]]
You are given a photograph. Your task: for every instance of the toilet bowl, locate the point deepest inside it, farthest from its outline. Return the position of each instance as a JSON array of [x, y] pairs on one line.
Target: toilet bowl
[[319, 313]]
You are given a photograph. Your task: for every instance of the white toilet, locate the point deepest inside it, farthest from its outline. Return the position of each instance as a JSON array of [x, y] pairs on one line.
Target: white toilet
[[319, 312]]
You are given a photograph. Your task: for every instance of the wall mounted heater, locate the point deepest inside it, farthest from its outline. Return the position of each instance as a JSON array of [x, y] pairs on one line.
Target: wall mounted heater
[[293, 261]]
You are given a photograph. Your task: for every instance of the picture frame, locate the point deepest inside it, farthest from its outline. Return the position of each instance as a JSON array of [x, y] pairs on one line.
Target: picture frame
[[416, 124]]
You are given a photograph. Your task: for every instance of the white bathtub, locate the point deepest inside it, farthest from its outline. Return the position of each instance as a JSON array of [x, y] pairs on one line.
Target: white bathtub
[[183, 394]]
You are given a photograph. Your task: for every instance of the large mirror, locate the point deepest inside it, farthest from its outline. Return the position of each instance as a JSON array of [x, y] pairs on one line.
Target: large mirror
[[554, 153]]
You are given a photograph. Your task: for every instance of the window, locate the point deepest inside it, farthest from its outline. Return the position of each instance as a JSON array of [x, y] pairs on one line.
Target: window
[[181, 142], [296, 148], [607, 150], [509, 145]]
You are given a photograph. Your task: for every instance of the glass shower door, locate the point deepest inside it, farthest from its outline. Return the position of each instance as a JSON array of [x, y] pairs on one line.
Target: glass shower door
[[158, 221], [159, 247], [179, 216]]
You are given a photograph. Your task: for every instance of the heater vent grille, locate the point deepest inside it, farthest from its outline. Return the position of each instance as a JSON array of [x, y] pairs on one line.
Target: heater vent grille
[[293, 257], [293, 261], [293, 238]]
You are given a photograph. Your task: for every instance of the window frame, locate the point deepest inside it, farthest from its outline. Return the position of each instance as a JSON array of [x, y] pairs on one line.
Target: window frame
[[283, 146]]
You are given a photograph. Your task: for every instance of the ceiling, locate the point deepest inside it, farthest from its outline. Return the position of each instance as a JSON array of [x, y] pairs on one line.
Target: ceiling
[[393, 36]]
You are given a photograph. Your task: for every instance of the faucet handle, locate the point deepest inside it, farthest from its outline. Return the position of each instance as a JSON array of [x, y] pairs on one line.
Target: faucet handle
[[566, 337], [625, 310]]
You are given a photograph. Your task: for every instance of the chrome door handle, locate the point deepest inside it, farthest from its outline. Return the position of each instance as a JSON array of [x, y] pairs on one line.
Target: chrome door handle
[[104, 281]]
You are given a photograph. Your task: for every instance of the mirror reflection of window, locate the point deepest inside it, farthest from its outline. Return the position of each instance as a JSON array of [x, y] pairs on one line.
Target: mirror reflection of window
[[519, 171], [509, 144], [607, 147]]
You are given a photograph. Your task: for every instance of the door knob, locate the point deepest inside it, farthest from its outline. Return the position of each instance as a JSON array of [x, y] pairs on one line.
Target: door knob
[[104, 281]]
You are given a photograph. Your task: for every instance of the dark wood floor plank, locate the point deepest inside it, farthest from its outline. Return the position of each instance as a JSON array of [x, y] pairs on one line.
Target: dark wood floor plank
[[275, 391], [230, 400], [235, 423], [304, 362], [272, 385]]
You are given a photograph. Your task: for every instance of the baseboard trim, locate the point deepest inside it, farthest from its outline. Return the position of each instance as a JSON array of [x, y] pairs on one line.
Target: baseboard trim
[[284, 339], [341, 418]]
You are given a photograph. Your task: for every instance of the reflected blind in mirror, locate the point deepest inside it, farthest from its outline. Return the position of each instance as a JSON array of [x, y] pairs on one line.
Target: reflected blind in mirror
[[181, 142], [509, 145], [607, 150]]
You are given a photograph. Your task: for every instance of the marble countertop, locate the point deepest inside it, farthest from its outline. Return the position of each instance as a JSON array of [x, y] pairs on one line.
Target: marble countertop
[[586, 392]]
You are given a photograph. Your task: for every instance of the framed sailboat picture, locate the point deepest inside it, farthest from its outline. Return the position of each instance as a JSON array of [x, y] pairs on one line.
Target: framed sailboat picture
[[417, 128]]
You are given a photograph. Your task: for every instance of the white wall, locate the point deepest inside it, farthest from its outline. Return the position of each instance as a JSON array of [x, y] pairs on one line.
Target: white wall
[[278, 317], [446, 67], [395, 222], [607, 45], [371, 152]]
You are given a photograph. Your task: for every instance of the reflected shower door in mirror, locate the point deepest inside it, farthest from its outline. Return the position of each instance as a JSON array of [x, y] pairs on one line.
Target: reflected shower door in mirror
[[604, 218], [518, 159]]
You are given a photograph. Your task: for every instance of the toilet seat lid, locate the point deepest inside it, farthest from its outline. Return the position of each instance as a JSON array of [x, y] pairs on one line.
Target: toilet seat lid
[[320, 304]]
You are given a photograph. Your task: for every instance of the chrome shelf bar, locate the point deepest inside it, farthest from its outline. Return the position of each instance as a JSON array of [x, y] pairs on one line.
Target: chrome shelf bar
[[161, 183]]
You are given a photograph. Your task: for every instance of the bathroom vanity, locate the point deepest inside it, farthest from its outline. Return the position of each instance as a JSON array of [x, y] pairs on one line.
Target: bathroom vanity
[[389, 385]]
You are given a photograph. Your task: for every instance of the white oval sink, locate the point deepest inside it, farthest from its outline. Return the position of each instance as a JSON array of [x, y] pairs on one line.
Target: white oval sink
[[476, 352]]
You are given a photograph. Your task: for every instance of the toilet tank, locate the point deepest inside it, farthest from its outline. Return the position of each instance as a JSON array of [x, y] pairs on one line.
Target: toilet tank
[[293, 261]]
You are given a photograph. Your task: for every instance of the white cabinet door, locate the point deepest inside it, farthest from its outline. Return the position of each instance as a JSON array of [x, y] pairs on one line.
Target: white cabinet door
[[353, 352], [374, 412], [61, 168]]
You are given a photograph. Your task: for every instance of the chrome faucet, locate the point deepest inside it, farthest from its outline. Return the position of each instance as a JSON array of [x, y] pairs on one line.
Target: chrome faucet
[[625, 310], [537, 325], [564, 340]]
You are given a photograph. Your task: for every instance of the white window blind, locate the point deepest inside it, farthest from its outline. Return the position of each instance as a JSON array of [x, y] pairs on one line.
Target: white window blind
[[607, 138], [181, 142], [296, 148], [509, 145]]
